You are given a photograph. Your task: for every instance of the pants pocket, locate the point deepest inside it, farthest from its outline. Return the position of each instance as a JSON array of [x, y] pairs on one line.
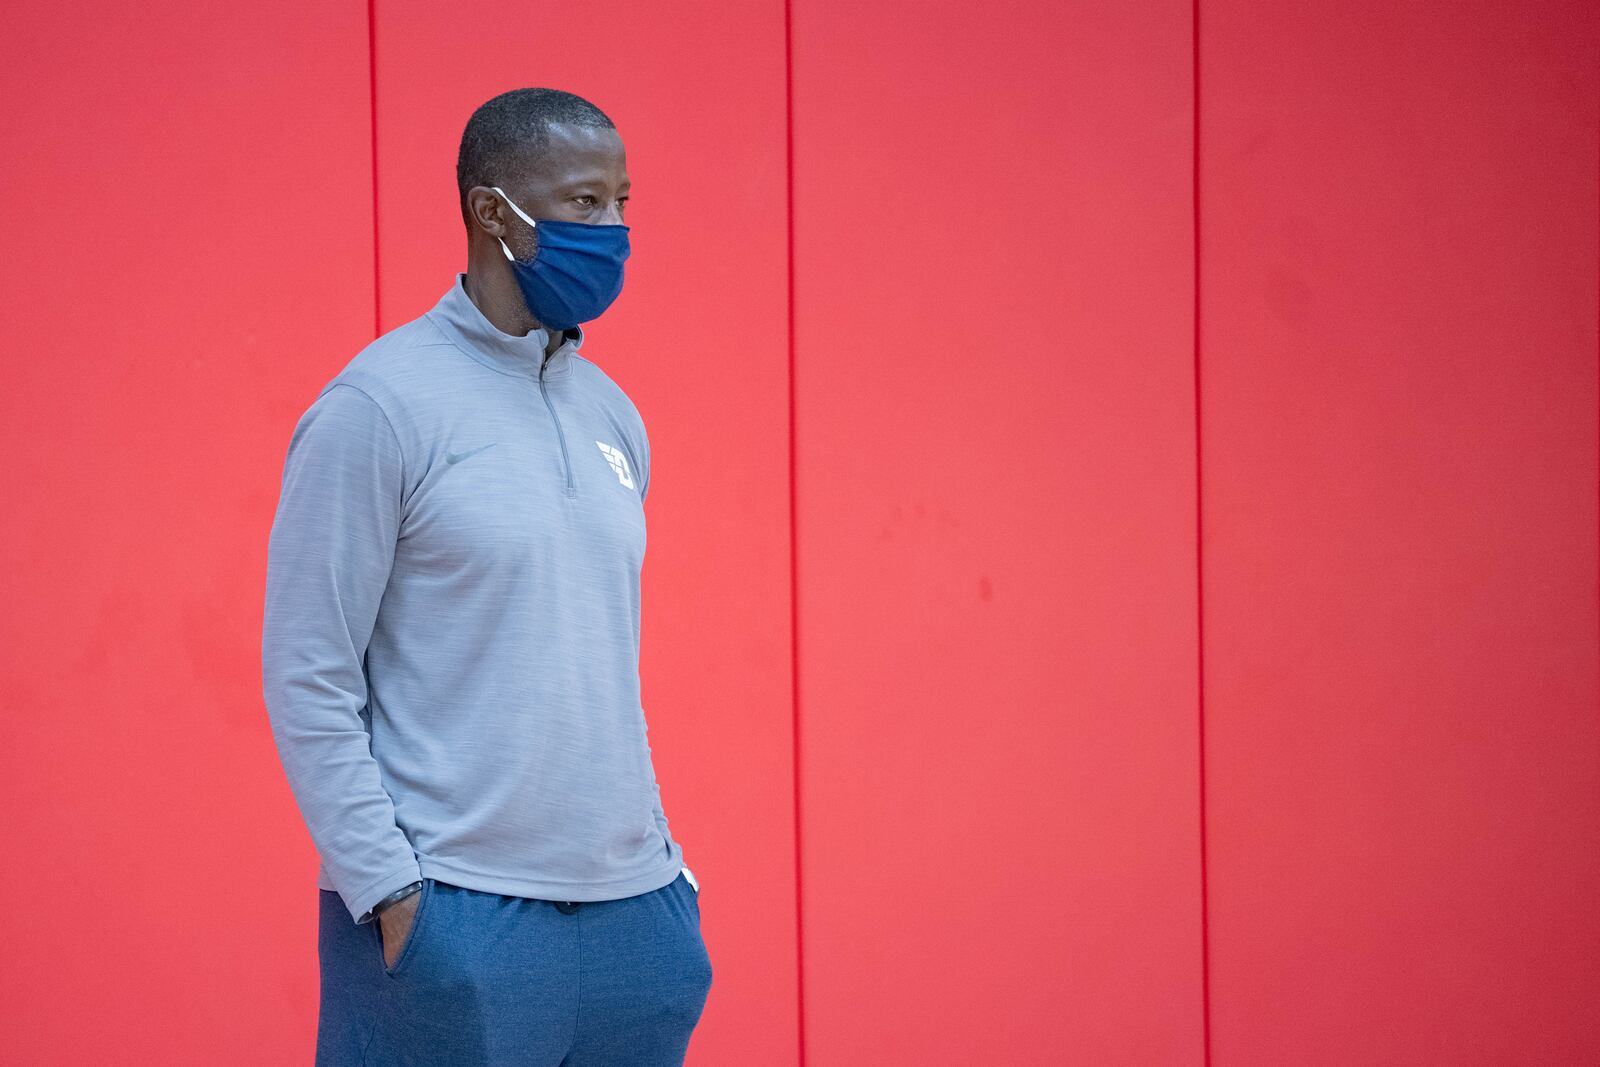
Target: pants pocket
[[419, 922]]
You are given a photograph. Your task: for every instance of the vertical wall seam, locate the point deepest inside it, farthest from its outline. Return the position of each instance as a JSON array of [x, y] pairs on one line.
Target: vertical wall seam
[[1199, 555], [794, 564], [372, 111]]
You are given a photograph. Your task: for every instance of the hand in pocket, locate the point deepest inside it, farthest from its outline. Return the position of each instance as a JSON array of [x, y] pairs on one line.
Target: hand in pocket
[[395, 923]]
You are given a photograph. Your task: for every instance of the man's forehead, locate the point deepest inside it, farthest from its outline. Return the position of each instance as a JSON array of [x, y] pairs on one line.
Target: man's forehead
[[576, 154]]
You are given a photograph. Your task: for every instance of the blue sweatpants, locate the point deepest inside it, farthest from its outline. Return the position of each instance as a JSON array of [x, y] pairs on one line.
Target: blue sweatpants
[[486, 980]]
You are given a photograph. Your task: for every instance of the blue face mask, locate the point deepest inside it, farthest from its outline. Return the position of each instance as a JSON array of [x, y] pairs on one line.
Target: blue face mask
[[575, 273]]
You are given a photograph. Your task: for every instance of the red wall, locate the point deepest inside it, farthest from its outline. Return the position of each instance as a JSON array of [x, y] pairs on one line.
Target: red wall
[[999, 790], [1398, 475], [185, 254], [1122, 583]]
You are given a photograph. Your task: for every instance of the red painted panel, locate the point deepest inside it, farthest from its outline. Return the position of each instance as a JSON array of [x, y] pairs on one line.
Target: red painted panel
[[698, 341], [185, 256], [1398, 378], [999, 722]]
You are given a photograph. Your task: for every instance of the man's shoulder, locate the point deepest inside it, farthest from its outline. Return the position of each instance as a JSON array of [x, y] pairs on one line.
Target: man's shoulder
[[399, 366], [606, 388]]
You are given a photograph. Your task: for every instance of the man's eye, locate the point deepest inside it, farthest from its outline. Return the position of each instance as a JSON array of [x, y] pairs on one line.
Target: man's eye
[[583, 198]]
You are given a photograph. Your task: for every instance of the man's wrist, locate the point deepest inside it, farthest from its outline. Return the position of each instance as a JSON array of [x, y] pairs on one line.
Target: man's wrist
[[392, 899]]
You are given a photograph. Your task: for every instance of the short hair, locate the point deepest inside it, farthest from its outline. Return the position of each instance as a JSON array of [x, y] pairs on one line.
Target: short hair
[[514, 128]]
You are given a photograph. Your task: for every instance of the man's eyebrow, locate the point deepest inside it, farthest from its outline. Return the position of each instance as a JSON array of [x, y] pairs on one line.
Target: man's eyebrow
[[586, 183]]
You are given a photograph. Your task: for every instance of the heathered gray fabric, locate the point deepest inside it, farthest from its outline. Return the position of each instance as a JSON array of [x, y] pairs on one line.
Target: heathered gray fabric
[[450, 650]]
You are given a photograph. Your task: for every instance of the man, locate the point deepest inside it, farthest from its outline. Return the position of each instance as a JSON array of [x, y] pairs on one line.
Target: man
[[450, 649]]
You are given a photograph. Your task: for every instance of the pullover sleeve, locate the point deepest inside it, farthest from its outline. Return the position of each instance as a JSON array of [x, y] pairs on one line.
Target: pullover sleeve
[[329, 556]]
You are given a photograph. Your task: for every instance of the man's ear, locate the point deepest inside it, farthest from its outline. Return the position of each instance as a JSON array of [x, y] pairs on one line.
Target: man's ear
[[486, 208]]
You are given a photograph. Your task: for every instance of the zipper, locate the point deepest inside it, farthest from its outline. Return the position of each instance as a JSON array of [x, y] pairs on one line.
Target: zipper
[[572, 490]]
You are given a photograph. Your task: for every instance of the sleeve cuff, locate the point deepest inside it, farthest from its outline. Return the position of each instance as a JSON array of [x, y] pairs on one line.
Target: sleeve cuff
[[361, 905]]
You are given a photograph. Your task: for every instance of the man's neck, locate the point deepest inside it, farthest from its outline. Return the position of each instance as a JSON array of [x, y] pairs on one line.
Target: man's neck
[[504, 307]]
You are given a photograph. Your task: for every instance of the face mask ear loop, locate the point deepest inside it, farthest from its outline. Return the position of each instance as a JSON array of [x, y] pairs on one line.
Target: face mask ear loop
[[520, 215], [514, 207]]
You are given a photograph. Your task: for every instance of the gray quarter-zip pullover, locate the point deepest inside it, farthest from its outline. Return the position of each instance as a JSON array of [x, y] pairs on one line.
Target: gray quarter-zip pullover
[[450, 644]]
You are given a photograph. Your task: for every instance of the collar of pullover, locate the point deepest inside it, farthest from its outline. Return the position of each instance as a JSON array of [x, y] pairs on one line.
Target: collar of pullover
[[461, 321]]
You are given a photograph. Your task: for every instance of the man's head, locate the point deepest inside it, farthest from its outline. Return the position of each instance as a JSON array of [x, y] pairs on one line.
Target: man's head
[[556, 155]]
